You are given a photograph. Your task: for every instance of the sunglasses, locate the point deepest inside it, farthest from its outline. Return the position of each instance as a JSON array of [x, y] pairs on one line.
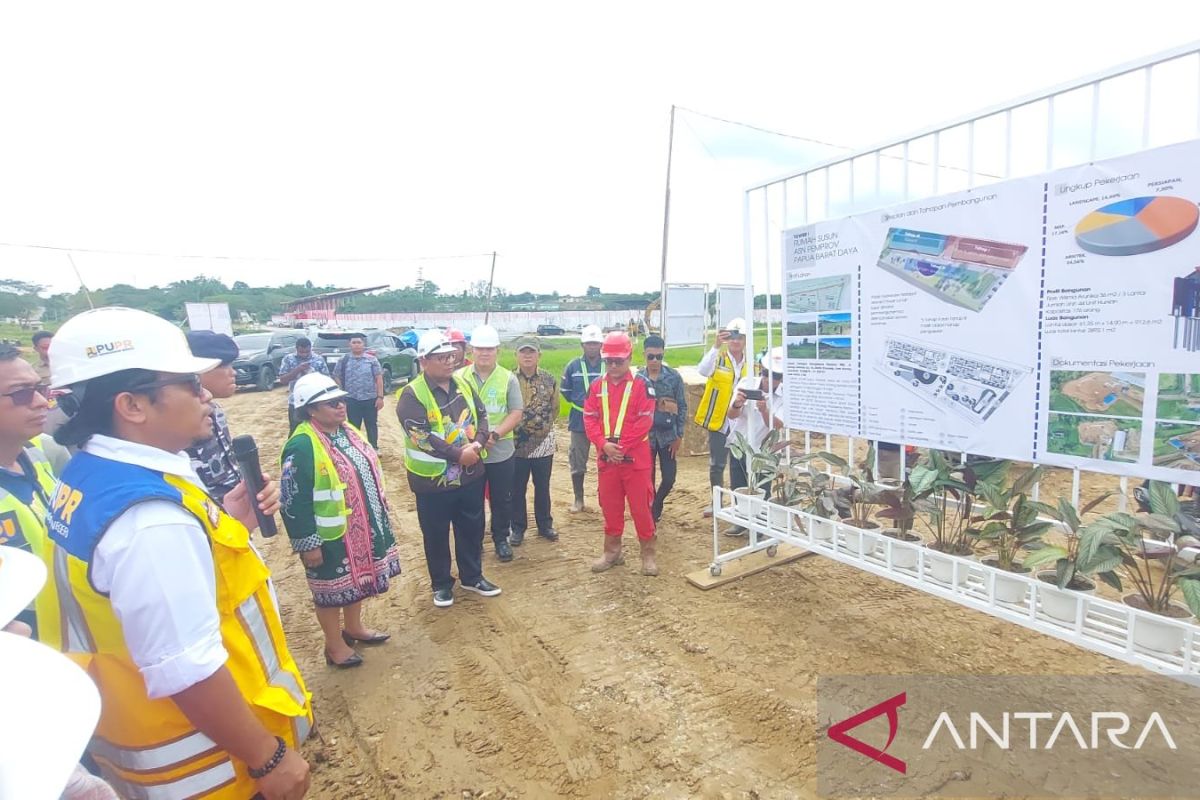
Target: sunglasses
[[655, 356], [336, 402], [615, 362], [444, 357], [190, 381], [24, 397]]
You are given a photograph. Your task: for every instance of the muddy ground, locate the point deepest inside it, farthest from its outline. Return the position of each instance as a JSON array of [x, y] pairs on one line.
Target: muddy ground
[[615, 685]]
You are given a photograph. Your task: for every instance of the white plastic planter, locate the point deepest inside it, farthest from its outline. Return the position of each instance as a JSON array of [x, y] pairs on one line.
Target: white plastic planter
[[941, 567], [1161, 637], [822, 529], [743, 501], [778, 516], [905, 554], [857, 540], [1060, 604], [1008, 589]]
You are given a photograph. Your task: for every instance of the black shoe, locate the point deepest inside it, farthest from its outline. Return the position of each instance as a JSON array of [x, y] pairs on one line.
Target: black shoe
[[378, 638], [549, 535], [736, 530], [484, 587], [516, 539], [353, 661], [443, 598], [504, 551]]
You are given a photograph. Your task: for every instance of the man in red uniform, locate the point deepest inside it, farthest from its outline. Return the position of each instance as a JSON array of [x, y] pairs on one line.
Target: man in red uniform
[[617, 418]]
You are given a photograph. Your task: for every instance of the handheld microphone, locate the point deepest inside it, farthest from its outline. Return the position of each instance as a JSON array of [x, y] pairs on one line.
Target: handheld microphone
[[245, 452]]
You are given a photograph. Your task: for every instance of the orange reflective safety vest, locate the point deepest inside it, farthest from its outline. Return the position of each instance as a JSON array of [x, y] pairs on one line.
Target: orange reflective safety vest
[[148, 748]]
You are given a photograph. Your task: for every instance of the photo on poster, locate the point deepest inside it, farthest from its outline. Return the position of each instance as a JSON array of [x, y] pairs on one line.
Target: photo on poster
[[803, 347], [1179, 397], [830, 293], [1097, 438], [970, 386], [801, 325], [1118, 394], [959, 270], [835, 348], [1177, 446], [1185, 309], [836, 324]]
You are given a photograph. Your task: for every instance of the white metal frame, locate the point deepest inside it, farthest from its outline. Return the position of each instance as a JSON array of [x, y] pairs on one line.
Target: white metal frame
[[1100, 625]]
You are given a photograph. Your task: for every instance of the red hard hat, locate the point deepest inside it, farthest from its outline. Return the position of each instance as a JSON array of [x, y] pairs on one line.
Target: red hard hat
[[616, 345], [455, 336]]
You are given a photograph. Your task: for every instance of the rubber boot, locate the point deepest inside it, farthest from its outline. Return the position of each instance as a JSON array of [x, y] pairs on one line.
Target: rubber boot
[[577, 483], [612, 555], [649, 548]]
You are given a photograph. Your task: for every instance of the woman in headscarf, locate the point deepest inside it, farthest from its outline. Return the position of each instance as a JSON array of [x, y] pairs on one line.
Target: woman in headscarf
[[336, 515]]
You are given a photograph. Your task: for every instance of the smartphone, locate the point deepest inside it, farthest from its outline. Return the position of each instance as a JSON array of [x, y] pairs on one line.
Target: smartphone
[[722, 335], [753, 394]]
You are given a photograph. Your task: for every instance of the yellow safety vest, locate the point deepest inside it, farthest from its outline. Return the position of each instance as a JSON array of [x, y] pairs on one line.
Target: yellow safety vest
[[416, 460], [493, 392], [609, 431], [329, 498], [148, 748], [21, 525], [718, 393]]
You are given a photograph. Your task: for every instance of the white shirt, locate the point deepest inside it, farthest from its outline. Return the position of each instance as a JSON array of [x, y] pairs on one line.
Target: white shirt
[[708, 364], [750, 424], [156, 564]]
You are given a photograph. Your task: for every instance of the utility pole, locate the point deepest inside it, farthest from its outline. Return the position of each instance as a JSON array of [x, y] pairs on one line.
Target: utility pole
[[666, 221], [487, 309]]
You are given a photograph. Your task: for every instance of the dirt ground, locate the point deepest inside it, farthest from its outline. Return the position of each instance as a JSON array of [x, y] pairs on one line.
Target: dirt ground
[[615, 685]]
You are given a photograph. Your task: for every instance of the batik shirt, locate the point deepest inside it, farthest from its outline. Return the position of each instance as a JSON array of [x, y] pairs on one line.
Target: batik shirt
[[213, 458], [534, 435]]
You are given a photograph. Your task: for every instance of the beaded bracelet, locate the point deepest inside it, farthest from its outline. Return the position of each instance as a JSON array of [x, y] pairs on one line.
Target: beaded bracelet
[[266, 768]]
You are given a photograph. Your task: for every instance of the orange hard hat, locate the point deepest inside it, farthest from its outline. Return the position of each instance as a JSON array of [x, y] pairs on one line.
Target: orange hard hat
[[455, 336], [616, 345]]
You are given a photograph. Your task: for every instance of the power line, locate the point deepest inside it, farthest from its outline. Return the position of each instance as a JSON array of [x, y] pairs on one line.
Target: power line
[[280, 259], [762, 130]]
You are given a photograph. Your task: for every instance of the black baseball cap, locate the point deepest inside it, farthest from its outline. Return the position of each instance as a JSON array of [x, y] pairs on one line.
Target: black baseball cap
[[210, 344]]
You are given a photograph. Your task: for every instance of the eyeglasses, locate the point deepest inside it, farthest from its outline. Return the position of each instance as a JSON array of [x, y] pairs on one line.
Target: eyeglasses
[[444, 357], [655, 356], [190, 381], [615, 362], [24, 397], [336, 402]]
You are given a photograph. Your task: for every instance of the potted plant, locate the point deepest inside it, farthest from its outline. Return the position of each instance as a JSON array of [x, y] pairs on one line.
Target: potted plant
[[1121, 544], [951, 506], [761, 467], [1059, 599], [900, 507], [816, 492], [863, 498], [1010, 522]]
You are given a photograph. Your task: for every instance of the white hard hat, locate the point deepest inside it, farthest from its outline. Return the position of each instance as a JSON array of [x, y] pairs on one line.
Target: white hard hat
[[433, 342], [773, 360], [737, 325], [485, 336], [315, 388], [22, 576], [591, 333], [107, 340], [45, 732]]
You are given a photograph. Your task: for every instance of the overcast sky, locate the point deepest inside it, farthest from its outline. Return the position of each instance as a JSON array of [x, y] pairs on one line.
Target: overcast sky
[[402, 130]]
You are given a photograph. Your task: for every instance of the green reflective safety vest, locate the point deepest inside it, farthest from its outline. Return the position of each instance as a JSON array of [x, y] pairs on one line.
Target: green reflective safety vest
[[493, 393], [427, 465], [329, 493], [24, 526]]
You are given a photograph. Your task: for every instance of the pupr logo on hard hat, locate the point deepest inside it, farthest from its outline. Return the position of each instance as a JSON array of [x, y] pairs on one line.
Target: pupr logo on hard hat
[[109, 348]]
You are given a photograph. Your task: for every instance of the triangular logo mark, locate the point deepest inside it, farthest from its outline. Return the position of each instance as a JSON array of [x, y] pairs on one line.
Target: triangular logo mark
[[890, 707]]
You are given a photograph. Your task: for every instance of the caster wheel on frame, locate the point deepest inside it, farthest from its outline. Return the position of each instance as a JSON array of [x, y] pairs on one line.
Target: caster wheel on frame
[[715, 570], [772, 551]]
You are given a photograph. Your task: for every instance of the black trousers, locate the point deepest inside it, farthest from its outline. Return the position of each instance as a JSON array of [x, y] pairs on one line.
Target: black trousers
[[436, 512], [539, 469], [293, 421], [500, 486], [738, 477], [662, 455], [363, 412]]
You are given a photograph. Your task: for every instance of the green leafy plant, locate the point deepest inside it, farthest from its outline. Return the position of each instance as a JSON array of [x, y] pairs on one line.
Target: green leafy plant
[[1010, 521], [795, 482], [1122, 544], [900, 505], [864, 496], [1065, 557], [950, 491]]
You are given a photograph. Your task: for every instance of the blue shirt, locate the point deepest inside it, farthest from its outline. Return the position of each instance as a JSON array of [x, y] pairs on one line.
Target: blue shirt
[[357, 375], [291, 361], [576, 381]]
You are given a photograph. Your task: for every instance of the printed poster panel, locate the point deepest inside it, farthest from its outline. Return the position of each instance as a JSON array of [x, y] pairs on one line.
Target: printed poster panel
[[949, 328], [1121, 364]]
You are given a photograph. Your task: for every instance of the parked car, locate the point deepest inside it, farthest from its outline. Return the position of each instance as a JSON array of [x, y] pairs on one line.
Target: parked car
[[550, 330], [259, 356], [399, 361]]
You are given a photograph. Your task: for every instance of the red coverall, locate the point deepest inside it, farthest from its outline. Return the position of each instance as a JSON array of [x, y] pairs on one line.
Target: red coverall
[[631, 478]]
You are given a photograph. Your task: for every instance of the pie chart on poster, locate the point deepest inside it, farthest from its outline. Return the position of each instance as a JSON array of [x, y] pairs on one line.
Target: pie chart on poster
[[1137, 225]]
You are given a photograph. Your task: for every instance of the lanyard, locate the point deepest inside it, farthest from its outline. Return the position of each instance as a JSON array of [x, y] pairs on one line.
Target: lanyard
[[609, 433]]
